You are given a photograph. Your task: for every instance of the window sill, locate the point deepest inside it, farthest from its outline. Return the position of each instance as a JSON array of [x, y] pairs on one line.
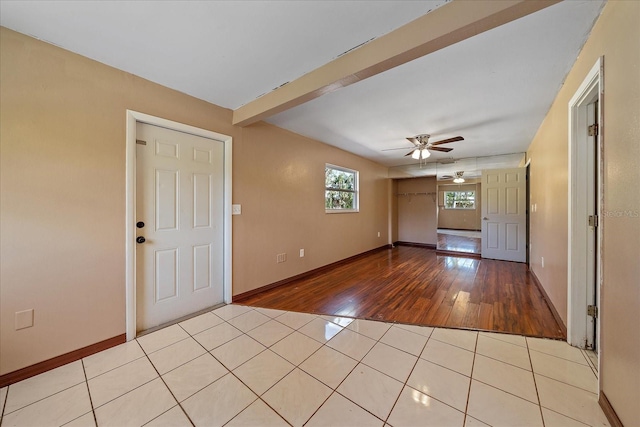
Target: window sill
[[341, 211]]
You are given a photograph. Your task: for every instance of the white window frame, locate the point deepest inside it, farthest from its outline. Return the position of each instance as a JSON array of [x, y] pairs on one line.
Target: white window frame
[[356, 191], [454, 203]]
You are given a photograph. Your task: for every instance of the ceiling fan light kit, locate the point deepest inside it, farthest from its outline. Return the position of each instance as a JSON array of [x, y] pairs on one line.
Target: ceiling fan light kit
[[459, 179], [420, 154], [423, 147]]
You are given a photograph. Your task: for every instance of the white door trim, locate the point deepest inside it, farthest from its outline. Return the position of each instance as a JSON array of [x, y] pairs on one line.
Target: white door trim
[[577, 247], [130, 264]]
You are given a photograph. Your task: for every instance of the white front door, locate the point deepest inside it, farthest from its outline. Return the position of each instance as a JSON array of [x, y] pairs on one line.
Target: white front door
[[504, 218], [179, 214]]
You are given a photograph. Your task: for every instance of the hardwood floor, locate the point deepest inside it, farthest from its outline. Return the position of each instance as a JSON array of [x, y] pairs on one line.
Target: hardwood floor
[[414, 285], [449, 242]]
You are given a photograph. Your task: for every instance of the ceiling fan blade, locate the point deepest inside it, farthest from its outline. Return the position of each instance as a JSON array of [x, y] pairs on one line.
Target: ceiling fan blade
[[443, 149], [414, 141], [391, 149], [446, 141], [409, 153]]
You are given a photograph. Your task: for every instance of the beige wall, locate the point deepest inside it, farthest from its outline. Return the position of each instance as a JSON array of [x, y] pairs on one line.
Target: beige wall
[[393, 220], [459, 219], [417, 213], [62, 200], [279, 180], [616, 36]]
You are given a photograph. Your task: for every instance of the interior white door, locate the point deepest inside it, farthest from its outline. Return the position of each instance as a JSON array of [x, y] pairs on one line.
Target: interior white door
[[504, 217], [179, 214]]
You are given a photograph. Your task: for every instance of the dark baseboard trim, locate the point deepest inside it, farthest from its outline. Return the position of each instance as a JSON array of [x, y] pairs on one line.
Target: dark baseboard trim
[[47, 365], [461, 229], [416, 245], [444, 252], [439, 251], [556, 316], [608, 411], [319, 270]]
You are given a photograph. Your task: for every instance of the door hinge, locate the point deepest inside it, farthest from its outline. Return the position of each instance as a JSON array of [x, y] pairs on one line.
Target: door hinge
[[141, 142], [593, 220], [592, 311], [593, 130]]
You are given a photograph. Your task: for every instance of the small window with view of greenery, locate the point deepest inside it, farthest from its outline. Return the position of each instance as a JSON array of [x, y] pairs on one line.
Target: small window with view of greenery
[[459, 199], [341, 189]]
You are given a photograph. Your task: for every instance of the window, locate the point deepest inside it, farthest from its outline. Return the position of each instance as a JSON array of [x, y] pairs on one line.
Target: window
[[341, 189], [459, 199]]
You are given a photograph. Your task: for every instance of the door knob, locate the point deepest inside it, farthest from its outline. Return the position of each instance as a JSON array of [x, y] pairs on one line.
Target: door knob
[[140, 239], [485, 219]]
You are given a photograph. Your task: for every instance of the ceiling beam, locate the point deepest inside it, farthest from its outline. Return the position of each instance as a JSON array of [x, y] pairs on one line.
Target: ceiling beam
[[442, 27]]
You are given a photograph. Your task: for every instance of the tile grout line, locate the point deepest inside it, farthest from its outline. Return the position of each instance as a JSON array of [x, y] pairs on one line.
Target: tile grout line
[[386, 420], [163, 381], [567, 416], [335, 390], [135, 388], [4, 405], [590, 362], [198, 391], [553, 379], [418, 358], [259, 397], [473, 365], [86, 381], [361, 360], [38, 400], [231, 372], [563, 358], [535, 383], [119, 366], [565, 383]]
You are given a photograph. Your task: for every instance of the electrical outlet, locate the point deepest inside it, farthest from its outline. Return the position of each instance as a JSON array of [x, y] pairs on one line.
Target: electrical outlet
[[542, 261], [301, 253], [24, 319], [378, 234], [281, 258]]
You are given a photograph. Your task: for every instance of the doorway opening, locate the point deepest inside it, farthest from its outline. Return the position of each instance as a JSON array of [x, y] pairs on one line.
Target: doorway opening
[[458, 219], [585, 207], [133, 119]]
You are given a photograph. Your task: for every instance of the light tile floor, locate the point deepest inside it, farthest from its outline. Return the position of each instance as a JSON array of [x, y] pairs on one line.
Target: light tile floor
[[240, 366]]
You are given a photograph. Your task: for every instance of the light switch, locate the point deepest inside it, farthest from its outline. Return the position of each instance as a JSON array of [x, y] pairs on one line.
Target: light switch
[[236, 209], [24, 319]]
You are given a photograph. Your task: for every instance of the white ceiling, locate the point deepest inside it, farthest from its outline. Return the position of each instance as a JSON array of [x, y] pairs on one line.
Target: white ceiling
[[494, 89]]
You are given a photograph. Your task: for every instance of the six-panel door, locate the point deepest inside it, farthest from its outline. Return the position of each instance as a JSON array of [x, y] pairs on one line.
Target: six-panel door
[[179, 198], [504, 214]]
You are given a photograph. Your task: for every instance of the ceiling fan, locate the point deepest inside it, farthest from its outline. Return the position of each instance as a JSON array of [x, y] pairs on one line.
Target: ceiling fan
[[423, 146], [457, 178]]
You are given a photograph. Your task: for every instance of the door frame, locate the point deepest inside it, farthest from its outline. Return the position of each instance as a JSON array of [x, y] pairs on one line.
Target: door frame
[[527, 195], [132, 118], [577, 293]]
